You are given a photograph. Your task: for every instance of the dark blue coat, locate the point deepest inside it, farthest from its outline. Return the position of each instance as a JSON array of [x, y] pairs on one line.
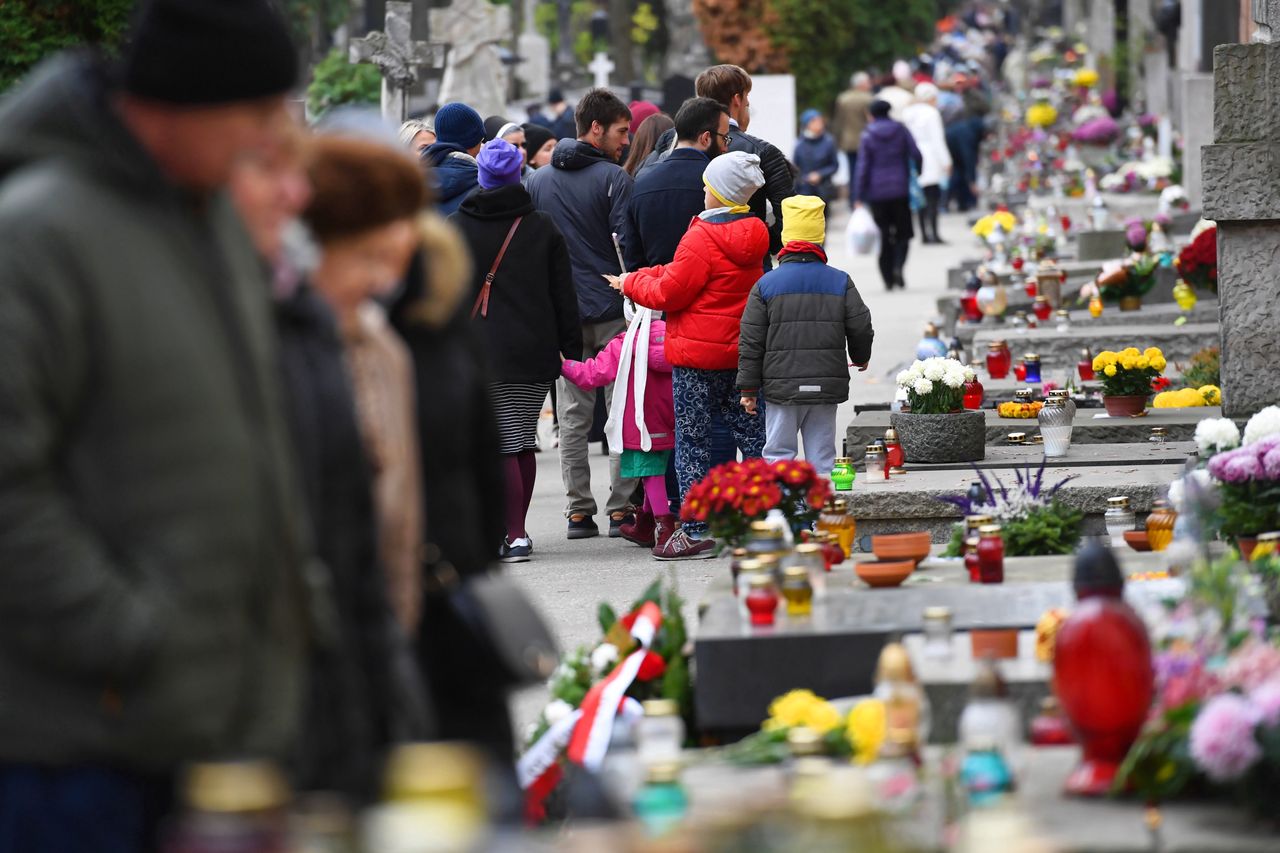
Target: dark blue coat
[[667, 196], [454, 174], [815, 155], [883, 157]]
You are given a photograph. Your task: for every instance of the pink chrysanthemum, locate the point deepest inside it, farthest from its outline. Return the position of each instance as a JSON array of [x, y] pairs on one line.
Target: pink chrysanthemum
[[1266, 699], [1222, 739]]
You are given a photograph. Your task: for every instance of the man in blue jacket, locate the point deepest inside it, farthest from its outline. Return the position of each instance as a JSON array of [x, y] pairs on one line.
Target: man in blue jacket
[[459, 135], [587, 193], [670, 193]]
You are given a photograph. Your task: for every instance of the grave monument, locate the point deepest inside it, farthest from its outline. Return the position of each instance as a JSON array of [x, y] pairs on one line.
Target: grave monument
[[473, 72], [398, 56]]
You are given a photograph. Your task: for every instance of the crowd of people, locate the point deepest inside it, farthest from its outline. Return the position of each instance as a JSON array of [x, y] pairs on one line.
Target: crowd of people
[[266, 383]]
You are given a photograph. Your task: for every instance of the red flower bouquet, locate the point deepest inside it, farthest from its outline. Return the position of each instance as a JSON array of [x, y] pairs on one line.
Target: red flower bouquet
[[737, 493], [1197, 263]]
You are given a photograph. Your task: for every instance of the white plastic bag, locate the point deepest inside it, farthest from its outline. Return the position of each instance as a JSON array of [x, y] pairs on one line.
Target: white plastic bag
[[864, 236]]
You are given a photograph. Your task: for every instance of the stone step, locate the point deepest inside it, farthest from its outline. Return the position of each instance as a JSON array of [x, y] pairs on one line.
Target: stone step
[[1158, 314], [1089, 427], [1062, 349], [1009, 456], [914, 500]]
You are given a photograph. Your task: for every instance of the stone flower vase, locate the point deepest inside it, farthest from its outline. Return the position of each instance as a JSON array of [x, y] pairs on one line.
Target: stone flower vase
[[1125, 406], [1130, 303], [954, 437]]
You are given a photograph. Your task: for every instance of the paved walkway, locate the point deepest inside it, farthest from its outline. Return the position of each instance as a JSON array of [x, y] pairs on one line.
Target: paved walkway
[[568, 579]]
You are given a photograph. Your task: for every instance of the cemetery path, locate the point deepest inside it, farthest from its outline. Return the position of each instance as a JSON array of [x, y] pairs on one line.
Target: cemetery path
[[568, 579]]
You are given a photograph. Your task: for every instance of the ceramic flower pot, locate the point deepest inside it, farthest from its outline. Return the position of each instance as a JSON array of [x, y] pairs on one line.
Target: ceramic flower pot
[[1130, 303], [954, 437], [1125, 406], [1245, 545]]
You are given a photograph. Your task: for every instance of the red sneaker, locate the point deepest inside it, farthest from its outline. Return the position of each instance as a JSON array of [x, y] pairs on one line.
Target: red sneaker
[[642, 530], [672, 543]]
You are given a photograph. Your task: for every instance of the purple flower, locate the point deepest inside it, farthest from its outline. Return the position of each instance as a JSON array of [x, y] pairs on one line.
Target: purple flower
[[1242, 469], [1263, 445], [1136, 234], [1218, 464], [1098, 131], [1146, 120], [1222, 739], [1271, 463], [1164, 220], [1266, 699]]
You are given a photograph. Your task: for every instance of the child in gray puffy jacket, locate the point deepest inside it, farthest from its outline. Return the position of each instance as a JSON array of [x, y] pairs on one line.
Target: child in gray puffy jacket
[[800, 320]]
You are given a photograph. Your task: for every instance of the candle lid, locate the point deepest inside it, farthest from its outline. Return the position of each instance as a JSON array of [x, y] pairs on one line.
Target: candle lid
[[1037, 439], [897, 469], [875, 448], [1159, 431], [890, 434], [1272, 536], [978, 519], [762, 527], [760, 581], [665, 773], [794, 572], [989, 530], [1023, 394], [1031, 357], [894, 664], [749, 566], [740, 552], [1017, 437], [1040, 299], [809, 548], [767, 561], [842, 505], [844, 460], [937, 614], [661, 708], [802, 740], [1063, 313], [1118, 501]]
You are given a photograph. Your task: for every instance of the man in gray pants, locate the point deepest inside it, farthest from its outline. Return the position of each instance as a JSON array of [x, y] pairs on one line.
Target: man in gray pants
[[587, 193]]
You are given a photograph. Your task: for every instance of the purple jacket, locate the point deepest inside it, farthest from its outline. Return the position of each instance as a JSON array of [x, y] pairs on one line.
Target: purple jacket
[[659, 404], [883, 173]]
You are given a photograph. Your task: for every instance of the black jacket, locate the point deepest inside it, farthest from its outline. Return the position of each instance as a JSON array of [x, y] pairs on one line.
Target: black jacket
[[454, 174], [533, 306], [778, 182], [666, 198], [799, 320], [586, 194], [349, 714]]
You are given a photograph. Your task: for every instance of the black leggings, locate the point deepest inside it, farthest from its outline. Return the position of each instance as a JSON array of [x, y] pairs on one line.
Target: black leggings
[[893, 218], [929, 214]]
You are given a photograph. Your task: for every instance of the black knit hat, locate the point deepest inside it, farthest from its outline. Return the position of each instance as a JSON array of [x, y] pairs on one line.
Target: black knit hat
[[200, 52]]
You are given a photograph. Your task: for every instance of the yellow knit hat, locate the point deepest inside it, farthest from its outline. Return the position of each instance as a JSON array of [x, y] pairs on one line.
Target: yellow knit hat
[[804, 218]]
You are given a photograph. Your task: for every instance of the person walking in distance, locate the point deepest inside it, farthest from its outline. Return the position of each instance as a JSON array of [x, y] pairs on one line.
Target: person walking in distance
[[153, 603], [586, 194], [800, 321], [851, 117], [925, 123], [883, 181], [526, 314]]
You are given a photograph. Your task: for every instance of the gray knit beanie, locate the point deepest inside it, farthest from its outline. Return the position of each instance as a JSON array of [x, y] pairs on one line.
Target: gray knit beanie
[[734, 177]]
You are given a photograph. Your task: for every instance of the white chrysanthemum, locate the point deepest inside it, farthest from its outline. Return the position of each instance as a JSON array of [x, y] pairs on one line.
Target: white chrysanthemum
[[1196, 487], [953, 379], [934, 370], [1214, 435], [922, 387], [1263, 424], [969, 375], [556, 710], [906, 378], [604, 657]]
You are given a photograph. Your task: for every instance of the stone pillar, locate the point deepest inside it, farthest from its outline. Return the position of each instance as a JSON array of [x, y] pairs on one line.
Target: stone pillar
[[1195, 99], [1242, 193]]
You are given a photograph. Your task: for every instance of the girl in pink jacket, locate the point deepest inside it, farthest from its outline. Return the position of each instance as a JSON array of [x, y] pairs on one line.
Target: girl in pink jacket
[[642, 428]]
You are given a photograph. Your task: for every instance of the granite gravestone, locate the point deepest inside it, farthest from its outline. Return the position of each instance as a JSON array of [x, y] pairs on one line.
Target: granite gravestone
[[1242, 193], [474, 73]]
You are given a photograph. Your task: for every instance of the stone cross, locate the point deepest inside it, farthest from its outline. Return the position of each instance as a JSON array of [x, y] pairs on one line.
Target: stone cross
[[398, 57], [601, 66], [1266, 14], [474, 74]]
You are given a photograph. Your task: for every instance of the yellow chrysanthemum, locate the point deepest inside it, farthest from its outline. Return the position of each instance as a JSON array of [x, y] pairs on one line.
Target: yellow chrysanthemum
[[822, 717], [1041, 115], [865, 730], [1110, 370], [1159, 363], [802, 708], [1132, 352], [1085, 78], [1212, 394], [1141, 362], [1153, 352], [1102, 359], [1128, 362]]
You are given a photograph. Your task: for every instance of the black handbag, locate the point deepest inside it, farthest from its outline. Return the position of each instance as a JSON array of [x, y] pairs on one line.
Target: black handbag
[[506, 631]]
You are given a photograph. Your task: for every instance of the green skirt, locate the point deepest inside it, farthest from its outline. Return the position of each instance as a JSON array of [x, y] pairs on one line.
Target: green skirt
[[640, 463]]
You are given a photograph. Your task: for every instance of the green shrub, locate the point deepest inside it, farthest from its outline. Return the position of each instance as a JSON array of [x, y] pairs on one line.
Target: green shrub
[[336, 81]]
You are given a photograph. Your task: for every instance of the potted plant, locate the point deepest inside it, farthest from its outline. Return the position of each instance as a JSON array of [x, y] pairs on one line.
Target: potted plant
[[1197, 263], [1126, 379], [1249, 478], [735, 494], [1130, 282], [937, 428]]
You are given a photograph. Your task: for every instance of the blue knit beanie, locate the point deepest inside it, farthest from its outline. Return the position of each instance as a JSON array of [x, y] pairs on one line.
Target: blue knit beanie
[[500, 164], [460, 125]]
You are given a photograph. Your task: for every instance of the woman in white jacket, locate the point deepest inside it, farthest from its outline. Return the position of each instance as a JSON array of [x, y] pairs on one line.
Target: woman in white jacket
[[925, 123]]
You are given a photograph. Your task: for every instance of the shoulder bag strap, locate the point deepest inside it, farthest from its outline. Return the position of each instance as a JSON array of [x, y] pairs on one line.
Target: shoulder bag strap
[[482, 301]]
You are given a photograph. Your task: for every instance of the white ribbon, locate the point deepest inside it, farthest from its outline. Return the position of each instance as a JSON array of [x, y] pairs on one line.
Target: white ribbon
[[635, 344]]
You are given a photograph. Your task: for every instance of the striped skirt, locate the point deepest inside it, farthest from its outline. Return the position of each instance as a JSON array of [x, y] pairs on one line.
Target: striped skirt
[[517, 407]]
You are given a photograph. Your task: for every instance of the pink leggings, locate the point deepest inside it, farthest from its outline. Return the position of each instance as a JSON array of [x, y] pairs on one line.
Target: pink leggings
[[655, 495]]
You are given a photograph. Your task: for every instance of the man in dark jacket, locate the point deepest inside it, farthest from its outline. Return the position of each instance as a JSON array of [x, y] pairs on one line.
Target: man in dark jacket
[[459, 135], [800, 320], [587, 193], [671, 193], [883, 180], [731, 86], [151, 547]]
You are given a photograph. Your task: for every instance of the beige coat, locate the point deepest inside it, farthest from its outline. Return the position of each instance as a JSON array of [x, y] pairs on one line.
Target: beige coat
[[382, 377], [851, 118]]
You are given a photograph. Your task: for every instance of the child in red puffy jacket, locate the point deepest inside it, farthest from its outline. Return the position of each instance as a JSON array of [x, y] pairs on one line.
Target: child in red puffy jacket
[[641, 427], [704, 291]]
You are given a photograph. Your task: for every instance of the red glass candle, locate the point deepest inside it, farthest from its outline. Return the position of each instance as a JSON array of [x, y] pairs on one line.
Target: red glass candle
[[971, 561], [762, 601], [1102, 672], [998, 361], [990, 555], [973, 394], [1020, 372], [1050, 728], [969, 305], [1086, 370], [1042, 308], [1017, 263], [1032, 287]]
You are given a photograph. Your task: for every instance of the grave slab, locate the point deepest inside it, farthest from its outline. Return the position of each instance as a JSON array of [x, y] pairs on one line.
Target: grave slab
[[1007, 456], [1178, 343], [1089, 427], [914, 500], [1158, 314], [1003, 390], [741, 668]]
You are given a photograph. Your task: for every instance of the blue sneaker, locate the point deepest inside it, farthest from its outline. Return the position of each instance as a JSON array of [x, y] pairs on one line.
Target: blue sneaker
[[582, 526], [515, 552]]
